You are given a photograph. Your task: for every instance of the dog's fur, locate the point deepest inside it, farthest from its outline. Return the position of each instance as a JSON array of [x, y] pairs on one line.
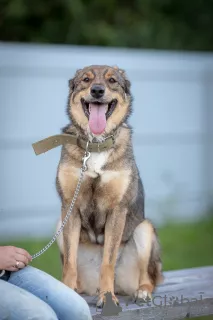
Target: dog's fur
[[107, 244]]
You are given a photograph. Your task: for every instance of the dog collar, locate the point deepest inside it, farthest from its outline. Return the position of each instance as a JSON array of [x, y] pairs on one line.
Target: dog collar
[[62, 139]]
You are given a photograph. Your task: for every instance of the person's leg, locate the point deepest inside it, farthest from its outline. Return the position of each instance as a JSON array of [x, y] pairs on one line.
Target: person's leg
[[66, 303], [18, 304]]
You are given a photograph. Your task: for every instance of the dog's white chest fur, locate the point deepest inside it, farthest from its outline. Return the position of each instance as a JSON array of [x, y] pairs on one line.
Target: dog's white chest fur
[[96, 162]]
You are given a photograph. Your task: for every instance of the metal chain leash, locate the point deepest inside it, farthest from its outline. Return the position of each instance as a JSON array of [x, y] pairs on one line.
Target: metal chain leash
[[57, 234]]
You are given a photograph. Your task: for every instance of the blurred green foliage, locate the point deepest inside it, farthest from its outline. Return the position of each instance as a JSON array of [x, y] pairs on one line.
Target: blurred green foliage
[[160, 24]]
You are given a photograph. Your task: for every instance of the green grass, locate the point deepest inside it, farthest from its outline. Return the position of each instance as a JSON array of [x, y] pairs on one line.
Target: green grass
[[187, 245], [183, 246]]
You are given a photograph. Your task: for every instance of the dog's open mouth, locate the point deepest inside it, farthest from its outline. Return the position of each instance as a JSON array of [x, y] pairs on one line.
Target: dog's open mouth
[[98, 113]]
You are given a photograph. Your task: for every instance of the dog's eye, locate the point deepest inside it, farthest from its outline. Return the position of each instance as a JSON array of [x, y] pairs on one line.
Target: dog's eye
[[112, 80], [86, 79]]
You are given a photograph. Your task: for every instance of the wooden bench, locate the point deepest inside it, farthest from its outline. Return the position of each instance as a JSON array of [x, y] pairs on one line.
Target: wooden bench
[[184, 294]]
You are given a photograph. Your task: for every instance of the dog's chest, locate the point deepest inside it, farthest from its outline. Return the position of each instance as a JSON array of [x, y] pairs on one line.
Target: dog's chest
[[96, 162]]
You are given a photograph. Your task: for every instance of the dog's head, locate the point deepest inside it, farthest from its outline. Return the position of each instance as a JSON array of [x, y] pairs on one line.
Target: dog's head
[[99, 99]]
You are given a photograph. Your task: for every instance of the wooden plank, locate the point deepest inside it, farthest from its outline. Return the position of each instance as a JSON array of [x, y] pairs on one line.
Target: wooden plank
[[184, 294]]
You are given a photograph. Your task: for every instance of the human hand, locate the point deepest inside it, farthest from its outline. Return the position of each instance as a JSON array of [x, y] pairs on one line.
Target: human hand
[[13, 259]]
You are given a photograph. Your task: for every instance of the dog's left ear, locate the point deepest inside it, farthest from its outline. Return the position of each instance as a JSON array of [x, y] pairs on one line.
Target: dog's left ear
[[126, 80], [127, 85]]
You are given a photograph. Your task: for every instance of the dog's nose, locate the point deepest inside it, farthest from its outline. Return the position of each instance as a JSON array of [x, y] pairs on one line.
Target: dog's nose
[[97, 91]]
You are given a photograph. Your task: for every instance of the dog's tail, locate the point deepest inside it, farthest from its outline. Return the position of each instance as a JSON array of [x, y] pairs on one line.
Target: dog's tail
[[155, 263]]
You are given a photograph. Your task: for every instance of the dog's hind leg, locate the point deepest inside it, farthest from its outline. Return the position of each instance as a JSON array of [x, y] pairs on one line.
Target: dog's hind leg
[[148, 252]]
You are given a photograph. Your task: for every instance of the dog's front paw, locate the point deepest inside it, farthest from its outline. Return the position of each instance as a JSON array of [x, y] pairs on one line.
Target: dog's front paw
[[107, 298], [143, 295]]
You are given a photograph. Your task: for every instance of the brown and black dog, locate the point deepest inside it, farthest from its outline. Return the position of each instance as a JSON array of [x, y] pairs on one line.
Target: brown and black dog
[[107, 244]]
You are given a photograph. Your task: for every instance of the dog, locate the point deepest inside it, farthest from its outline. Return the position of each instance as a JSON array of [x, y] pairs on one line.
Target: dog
[[107, 244]]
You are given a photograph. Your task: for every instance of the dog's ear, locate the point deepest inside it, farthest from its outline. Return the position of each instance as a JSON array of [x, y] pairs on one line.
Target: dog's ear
[[73, 81], [127, 83], [126, 80], [71, 85]]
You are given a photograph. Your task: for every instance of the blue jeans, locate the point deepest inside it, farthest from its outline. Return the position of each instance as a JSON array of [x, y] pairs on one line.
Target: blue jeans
[[31, 294]]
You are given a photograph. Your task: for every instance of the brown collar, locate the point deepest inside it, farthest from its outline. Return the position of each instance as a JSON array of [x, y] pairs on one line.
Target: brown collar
[[64, 138]]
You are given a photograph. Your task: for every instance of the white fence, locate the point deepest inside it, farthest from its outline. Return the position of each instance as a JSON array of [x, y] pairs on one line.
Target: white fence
[[172, 120]]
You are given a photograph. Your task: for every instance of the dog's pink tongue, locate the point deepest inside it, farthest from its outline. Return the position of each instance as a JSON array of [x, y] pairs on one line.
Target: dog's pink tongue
[[97, 118]]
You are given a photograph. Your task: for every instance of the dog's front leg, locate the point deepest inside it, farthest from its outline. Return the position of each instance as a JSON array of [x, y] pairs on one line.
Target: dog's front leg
[[113, 233], [71, 236]]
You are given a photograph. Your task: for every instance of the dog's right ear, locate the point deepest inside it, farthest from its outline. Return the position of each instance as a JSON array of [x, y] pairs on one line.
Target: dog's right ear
[[73, 81], [72, 85]]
